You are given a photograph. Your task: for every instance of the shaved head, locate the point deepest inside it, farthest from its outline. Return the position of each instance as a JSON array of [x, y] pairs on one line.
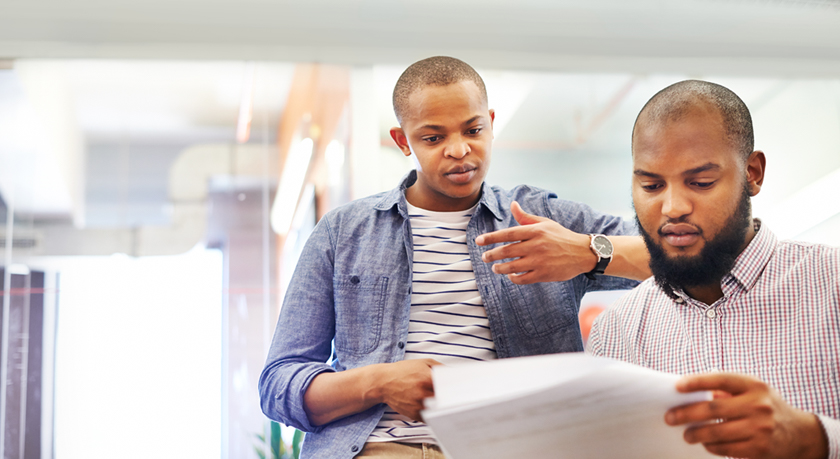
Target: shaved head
[[434, 71], [674, 102]]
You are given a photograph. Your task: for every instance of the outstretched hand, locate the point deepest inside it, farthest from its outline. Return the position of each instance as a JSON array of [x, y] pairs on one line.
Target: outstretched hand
[[542, 250], [747, 418]]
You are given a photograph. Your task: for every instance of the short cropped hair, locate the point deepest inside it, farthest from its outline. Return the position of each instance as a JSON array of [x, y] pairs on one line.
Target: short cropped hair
[[433, 71], [675, 101]]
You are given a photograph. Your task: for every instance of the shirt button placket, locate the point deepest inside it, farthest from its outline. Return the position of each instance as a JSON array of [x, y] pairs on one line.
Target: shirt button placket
[[714, 340]]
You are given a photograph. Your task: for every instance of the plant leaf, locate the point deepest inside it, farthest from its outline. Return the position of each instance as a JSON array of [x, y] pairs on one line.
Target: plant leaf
[[297, 439], [277, 446]]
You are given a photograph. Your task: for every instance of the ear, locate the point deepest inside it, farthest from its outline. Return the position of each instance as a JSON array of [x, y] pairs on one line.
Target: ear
[[401, 140], [756, 165], [492, 117]]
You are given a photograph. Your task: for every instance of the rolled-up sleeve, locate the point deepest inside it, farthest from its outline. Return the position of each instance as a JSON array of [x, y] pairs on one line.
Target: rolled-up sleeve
[[832, 431], [302, 341]]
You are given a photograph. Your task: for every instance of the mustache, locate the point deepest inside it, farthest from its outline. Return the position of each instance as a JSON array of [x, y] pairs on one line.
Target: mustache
[[678, 226]]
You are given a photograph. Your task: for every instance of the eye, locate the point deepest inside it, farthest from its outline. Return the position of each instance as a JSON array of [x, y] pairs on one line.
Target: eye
[[703, 185], [432, 138], [651, 186], [474, 131]]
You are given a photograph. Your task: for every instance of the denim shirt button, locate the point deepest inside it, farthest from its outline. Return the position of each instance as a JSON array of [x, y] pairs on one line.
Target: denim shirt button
[[400, 345], [354, 280], [354, 448]]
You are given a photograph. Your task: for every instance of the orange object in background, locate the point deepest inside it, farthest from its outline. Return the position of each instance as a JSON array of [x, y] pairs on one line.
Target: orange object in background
[[587, 316]]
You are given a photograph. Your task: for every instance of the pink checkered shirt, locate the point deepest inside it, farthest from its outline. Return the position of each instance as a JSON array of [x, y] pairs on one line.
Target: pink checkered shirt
[[778, 319]]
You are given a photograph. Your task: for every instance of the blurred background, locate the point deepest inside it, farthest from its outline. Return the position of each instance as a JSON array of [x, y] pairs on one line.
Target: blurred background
[[162, 163]]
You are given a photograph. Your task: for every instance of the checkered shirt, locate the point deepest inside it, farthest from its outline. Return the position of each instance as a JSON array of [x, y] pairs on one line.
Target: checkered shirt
[[778, 319]]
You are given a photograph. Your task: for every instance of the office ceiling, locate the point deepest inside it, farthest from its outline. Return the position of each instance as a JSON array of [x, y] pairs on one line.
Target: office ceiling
[[130, 85], [779, 37]]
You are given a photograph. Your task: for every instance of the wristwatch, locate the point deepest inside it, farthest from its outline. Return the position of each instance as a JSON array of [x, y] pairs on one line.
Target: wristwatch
[[603, 249]]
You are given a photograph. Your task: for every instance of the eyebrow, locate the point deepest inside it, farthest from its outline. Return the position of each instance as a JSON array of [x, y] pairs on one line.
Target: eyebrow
[[472, 120], [436, 127], [697, 170]]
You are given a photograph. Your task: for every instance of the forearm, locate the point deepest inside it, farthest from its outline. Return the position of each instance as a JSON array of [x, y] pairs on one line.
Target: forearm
[[332, 396], [630, 258]]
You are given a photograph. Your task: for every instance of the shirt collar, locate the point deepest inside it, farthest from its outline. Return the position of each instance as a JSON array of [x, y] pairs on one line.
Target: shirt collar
[[748, 266], [751, 262], [396, 197]]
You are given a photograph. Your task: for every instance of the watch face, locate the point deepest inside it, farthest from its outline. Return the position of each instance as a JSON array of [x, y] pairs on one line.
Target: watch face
[[602, 245]]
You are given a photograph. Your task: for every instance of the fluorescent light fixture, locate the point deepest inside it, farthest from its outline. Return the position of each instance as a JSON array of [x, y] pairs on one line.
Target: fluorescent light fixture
[[806, 208], [291, 183]]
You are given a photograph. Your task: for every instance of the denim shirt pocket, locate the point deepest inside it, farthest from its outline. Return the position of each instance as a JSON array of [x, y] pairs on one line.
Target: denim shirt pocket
[[540, 309], [359, 305]]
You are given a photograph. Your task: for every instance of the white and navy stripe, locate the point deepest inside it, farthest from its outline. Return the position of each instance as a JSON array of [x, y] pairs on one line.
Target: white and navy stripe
[[447, 322]]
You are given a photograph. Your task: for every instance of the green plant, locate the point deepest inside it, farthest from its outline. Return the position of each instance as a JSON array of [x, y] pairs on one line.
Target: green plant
[[279, 448]]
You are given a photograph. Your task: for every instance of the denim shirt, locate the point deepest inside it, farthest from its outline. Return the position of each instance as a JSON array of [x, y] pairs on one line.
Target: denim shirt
[[349, 299]]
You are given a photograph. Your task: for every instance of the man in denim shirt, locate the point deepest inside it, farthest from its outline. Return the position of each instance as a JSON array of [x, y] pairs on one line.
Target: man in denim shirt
[[349, 300]]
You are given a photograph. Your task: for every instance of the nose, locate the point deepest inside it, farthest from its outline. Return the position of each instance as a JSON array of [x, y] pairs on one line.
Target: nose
[[675, 204], [457, 148]]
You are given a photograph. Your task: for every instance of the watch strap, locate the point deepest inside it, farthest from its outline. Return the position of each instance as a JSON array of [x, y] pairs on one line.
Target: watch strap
[[599, 268]]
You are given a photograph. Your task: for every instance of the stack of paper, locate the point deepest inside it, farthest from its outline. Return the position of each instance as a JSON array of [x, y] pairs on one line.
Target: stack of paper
[[557, 406]]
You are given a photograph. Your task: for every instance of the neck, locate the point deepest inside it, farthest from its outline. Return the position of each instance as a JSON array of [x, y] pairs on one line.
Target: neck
[[708, 294], [417, 196]]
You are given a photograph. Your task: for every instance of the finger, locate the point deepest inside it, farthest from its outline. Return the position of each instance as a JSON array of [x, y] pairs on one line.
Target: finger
[[721, 394], [732, 383], [522, 217], [513, 234], [530, 277], [520, 265], [722, 408], [737, 430], [514, 250]]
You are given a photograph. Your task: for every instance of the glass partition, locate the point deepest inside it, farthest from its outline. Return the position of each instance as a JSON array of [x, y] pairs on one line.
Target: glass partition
[[151, 215]]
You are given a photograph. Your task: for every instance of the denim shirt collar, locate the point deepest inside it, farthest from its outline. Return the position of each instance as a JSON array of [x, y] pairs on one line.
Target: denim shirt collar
[[396, 197]]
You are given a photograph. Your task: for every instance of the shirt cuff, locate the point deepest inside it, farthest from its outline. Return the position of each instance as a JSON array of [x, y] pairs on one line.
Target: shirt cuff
[[285, 396], [832, 432]]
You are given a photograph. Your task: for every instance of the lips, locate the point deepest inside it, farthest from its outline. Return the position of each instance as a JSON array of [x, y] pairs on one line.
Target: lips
[[680, 234], [461, 174]]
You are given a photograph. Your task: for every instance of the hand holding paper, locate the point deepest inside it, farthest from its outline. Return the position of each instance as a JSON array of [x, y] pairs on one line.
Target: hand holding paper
[[756, 421], [561, 405], [405, 384]]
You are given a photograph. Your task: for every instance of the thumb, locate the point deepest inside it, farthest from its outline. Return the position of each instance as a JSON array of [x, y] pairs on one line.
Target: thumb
[[522, 217]]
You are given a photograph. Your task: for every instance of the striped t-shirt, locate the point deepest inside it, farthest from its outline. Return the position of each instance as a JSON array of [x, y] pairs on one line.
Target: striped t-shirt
[[447, 321]]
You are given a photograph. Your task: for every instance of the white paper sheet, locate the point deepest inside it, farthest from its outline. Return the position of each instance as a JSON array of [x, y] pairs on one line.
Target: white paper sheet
[[557, 406]]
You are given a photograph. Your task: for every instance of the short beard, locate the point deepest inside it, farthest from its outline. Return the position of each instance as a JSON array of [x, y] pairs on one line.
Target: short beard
[[716, 258]]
